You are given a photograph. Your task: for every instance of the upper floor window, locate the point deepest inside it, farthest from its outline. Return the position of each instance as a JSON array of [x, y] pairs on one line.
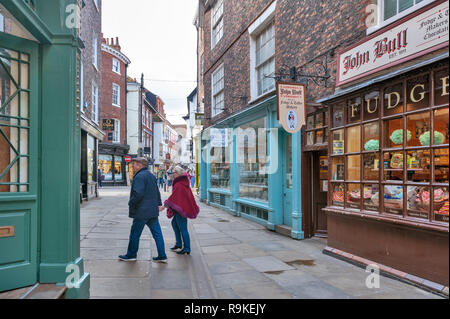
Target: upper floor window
[[265, 60], [217, 23], [94, 50], [393, 10], [218, 96], [115, 94], [116, 134], [94, 103], [116, 66]]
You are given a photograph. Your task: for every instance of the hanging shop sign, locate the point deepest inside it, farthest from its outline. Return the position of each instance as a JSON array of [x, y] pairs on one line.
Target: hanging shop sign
[[420, 33], [108, 125], [291, 104]]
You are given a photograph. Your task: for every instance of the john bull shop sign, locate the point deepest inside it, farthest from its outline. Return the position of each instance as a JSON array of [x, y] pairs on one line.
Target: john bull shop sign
[[423, 32]]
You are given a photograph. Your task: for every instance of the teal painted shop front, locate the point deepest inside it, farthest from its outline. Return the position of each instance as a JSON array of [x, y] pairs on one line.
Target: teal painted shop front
[[251, 168], [39, 146]]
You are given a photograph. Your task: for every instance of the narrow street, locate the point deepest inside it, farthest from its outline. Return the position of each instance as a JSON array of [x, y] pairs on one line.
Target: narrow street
[[231, 258]]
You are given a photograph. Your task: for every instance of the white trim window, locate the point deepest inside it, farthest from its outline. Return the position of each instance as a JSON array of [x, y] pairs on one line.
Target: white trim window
[[218, 96], [2, 23], [116, 94], [392, 10], [116, 133], [116, 65], [94, 103], [95, 52], [217, 23], [265, 60]]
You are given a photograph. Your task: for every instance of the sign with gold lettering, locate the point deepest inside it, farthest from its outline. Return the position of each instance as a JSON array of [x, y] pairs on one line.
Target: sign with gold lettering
[[108, 125], [291, 106], [422, 32]]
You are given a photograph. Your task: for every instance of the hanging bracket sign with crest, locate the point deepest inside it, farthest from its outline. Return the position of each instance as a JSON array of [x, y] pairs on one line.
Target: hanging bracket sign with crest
[[291, 104]]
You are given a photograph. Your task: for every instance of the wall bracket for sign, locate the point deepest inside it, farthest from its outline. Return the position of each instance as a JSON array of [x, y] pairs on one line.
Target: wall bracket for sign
[[320, 76]]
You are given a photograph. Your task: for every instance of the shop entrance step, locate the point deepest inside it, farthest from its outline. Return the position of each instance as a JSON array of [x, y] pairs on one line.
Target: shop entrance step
[[38, 291], [283, 230]]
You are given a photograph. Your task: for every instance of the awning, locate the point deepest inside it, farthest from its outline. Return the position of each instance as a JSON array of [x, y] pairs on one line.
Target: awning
[[390, 75]]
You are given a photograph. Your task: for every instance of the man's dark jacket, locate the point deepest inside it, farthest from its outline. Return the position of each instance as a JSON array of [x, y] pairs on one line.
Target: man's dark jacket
[[145, 197]]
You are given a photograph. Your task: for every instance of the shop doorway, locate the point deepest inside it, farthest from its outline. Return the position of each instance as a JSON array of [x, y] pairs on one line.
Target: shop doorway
[[319, 182], [287, 179]]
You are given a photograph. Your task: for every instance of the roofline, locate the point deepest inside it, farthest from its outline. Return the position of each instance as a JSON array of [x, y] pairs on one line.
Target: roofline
[[116, 53]]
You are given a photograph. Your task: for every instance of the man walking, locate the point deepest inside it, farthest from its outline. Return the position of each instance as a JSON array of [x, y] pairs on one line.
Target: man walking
[[144, 207]]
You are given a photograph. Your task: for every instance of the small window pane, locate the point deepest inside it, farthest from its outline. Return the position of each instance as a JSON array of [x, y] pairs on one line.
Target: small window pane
[[338, 142], [371, 137], [390, 9], [393, 199], [442, 83], [419, 125], [393, 100], [310, 122], [310, 138], [371, 197], [404, 4], [354, 196], [441, 165], [418, 166], [418, 93], [441, 127], [354, 139], [338, 169], [418, 201], [354, 168], [371, 106], [371, 167], [393, 166], [441, 202], [354, 110], [393, 136], [338, 195], [319, 120], [338, 115]]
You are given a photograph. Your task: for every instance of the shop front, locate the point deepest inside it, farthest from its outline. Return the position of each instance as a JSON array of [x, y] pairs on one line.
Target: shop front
[[247, 158], [112, 164], [388, 155], [39, 148]]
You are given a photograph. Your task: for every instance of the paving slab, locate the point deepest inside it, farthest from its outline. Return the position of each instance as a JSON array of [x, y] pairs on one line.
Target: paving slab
[[117, 268], [262, 291], [317, 290], [111, 243], [243, 250], [111, 253], [120, 287], [249, 277], [270, 245], [229, 267], [172, 294], [267, 264], [170, 279]]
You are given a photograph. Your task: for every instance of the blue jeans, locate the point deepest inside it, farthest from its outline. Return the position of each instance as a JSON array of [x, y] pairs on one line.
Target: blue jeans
[[160, 182], [180, 227], [135, 235]]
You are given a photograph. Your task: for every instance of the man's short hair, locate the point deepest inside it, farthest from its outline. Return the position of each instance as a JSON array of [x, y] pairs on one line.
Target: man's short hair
[[141, 160]]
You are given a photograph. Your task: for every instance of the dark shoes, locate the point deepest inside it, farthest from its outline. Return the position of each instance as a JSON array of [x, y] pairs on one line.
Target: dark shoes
[[175, 248], [126, 258], [160, 259], [182, 252]]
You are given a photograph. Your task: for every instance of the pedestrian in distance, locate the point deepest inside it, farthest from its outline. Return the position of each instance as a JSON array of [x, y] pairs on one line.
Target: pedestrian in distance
[[161, 173], [99, 177], [144, 207], [181, 206]]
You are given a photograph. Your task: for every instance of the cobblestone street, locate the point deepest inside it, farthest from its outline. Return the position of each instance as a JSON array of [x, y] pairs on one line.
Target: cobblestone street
[[231, 258]]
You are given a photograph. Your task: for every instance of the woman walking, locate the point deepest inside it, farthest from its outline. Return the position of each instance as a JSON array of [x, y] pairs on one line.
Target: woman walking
[[181, 205]]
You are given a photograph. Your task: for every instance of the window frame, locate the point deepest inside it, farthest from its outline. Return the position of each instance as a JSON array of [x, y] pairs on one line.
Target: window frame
[[381, 119], [381, 23], [94, 108], [217, 23], [214, 94], [95, 52], [114, 85], [116, 62]]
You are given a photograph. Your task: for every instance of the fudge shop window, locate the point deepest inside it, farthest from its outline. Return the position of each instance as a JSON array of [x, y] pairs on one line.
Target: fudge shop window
[[389, 149]]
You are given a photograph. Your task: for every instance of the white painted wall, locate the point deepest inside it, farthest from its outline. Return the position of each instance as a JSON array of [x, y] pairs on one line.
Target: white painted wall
[[132, 117]]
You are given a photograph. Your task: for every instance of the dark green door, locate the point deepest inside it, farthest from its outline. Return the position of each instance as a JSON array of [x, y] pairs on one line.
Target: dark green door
[[19, 146]]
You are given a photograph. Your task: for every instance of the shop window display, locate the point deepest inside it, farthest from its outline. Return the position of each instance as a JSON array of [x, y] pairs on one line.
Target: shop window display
[[253, 161], [106, 162], [220, 167], [403, 161], [316, 127]]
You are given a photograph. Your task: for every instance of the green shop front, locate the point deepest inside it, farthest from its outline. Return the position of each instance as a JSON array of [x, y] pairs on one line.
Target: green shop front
[[251, 168], [40, 146]]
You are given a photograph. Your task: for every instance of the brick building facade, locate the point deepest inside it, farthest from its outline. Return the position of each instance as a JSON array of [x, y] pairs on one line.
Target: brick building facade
[[291, 183], [113, 113], [90, 99]]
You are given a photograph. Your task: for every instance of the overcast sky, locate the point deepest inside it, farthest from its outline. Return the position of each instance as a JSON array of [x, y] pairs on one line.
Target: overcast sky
[[159, 38]]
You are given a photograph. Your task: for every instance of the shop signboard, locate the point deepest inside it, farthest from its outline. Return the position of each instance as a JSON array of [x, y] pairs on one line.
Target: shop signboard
[[108, 125], [218, 137], [420, 33], [291, 105]]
